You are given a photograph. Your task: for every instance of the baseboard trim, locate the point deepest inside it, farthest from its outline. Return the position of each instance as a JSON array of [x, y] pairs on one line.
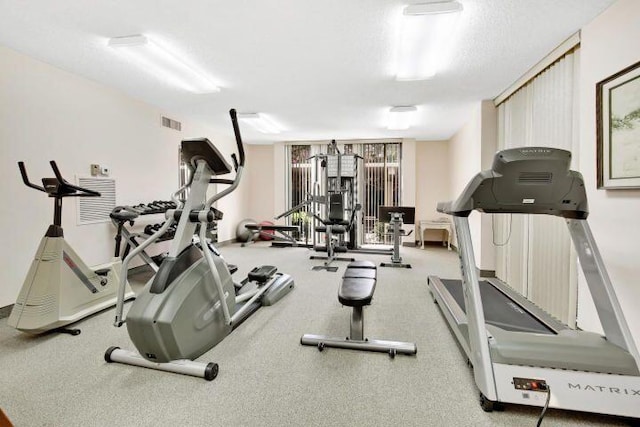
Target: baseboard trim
[[226, 242], [487, 273], [5, 311]]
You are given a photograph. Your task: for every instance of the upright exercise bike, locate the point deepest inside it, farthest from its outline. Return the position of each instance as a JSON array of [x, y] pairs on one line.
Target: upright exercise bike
[[192, 302], [60, 288], [396, 216]]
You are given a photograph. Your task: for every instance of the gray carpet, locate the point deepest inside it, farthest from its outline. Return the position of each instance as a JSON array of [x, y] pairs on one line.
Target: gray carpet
[[266, 377]]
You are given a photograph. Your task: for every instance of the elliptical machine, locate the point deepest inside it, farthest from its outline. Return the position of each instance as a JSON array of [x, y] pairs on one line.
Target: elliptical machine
[[60, 288], [192, 302]]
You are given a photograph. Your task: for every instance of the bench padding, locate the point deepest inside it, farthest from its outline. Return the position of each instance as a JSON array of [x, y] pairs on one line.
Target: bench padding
[[361, 264], [360, 273], [356, 292]]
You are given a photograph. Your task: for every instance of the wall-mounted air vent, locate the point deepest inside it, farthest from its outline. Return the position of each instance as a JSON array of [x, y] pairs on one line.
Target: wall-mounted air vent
[[535, 178], [96, 209], [172, 124]]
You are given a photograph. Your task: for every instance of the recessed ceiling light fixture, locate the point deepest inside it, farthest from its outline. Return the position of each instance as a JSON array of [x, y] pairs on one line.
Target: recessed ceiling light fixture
[[426, 31], [401, 118], [260, 122], [165, 65]]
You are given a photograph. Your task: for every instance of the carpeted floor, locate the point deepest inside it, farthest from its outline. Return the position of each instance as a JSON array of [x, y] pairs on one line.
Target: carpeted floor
[[266, 377]]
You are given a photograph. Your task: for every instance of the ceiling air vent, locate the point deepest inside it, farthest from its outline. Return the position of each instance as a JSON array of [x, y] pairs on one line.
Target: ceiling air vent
[[92, 210], [172, 124], [535, 178]]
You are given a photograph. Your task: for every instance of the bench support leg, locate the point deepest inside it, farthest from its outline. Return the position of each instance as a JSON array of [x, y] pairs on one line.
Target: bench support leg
[[357, 341], [357, 324]]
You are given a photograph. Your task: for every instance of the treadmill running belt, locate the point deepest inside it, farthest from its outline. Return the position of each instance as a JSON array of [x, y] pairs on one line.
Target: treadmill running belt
[[499, 310]]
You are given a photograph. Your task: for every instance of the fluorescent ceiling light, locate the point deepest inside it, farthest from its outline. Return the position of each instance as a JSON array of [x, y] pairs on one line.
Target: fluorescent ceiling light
[[260, 122], [426, 32], [165, 65], [401, 118]]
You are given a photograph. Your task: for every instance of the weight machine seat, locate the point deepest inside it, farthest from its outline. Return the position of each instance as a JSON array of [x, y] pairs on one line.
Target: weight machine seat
[[335, 229], [360, 273], [356, 292]]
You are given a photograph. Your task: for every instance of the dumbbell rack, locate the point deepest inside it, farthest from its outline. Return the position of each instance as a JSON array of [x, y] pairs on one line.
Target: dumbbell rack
[[121, 215]]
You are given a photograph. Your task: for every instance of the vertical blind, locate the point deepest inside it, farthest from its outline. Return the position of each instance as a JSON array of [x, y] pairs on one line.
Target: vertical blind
[[534, 253], [381, 186], [299, 184]]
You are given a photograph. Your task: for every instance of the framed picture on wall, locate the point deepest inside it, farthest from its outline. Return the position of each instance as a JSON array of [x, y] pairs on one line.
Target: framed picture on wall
[[618, 129]]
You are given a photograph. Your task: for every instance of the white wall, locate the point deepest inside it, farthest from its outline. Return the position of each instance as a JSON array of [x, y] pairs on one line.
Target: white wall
[[432, 182], [261, 176], [471, 150], [49, 114], [464, 162], [489, 145], [609, 44], [409, 188], [279, 178]]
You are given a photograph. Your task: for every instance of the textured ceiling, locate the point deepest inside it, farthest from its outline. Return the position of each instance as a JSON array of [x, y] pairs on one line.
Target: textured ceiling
[[322, 69]]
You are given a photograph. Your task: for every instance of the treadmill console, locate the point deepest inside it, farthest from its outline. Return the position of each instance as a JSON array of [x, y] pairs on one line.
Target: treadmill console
[[525, 180]]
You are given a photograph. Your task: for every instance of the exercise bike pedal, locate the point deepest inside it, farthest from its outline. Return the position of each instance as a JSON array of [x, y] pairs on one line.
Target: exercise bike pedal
[[102, 271]]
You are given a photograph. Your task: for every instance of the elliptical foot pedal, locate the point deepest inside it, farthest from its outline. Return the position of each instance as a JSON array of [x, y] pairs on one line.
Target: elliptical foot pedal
[[262, 274]]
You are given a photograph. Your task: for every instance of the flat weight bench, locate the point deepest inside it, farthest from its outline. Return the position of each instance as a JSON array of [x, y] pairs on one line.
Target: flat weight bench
[[356, 290]]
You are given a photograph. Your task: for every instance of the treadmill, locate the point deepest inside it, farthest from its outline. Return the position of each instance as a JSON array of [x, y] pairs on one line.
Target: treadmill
[[519, 353]]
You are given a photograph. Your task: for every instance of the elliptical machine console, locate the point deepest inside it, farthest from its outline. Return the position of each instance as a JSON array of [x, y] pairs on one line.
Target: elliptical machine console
[[192, 303]]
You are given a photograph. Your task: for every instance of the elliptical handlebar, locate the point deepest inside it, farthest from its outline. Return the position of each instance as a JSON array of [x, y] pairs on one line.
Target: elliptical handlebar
[[236, 131], [238, 165]]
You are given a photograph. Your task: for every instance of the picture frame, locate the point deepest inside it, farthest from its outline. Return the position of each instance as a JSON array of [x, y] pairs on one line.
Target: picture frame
[[618, 129]]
